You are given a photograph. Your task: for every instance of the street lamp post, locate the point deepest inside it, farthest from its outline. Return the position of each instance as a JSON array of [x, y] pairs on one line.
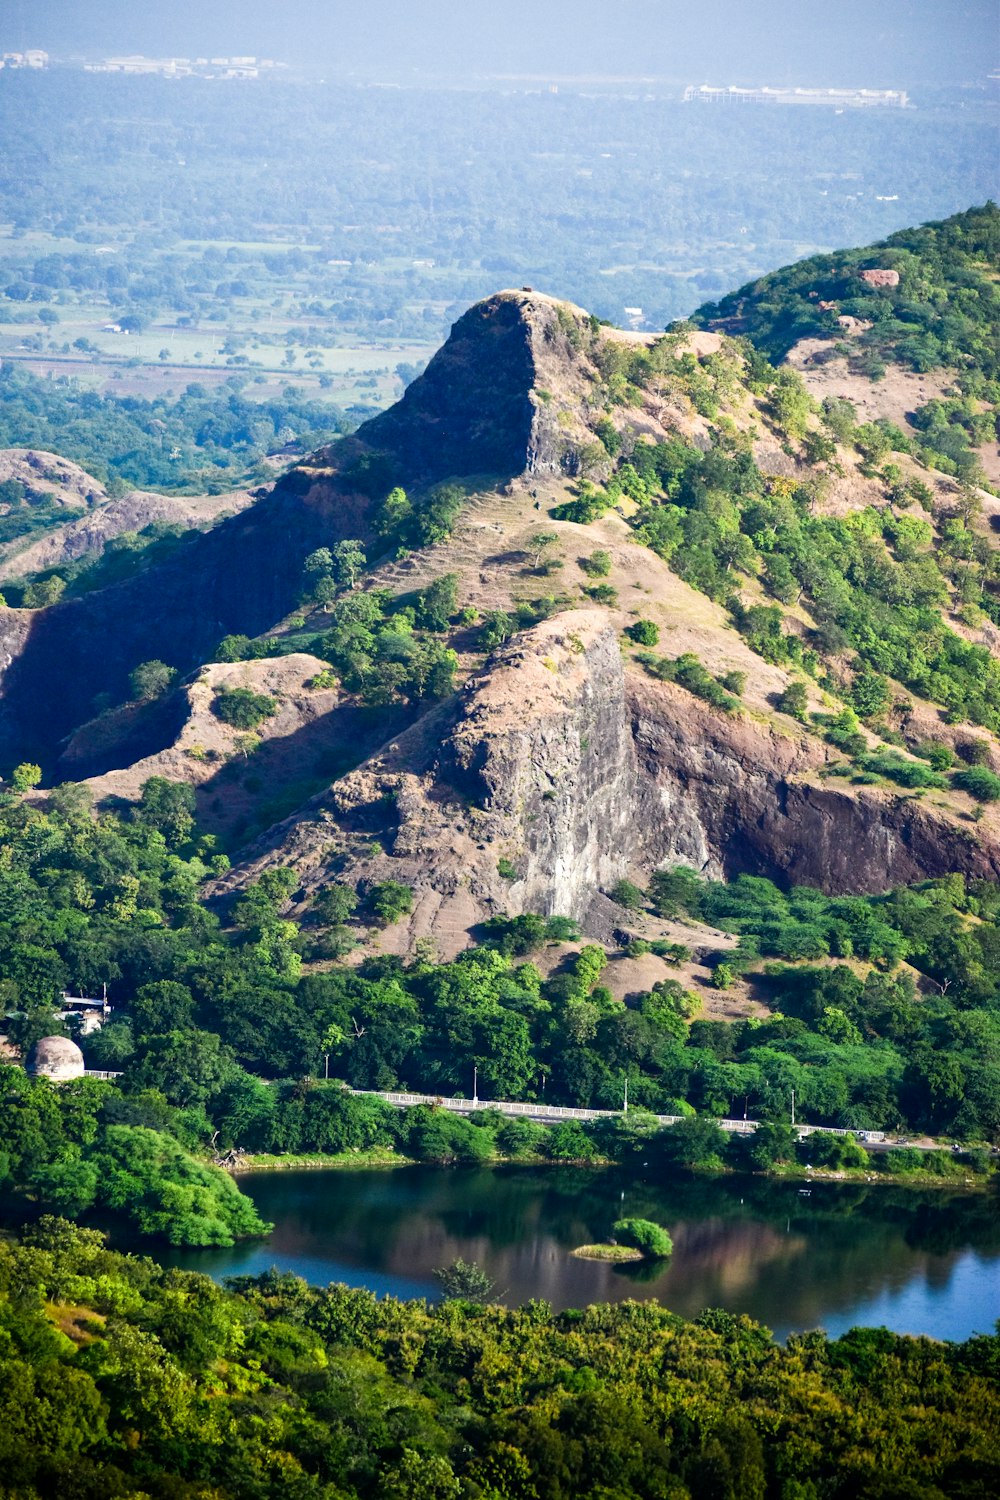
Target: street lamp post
[[625, 1105], [475, 1084]]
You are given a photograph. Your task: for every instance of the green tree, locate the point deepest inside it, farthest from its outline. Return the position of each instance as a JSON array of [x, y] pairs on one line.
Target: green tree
[[438, 602], [644, 1235], [348, 562], [319, 563], [628, 895], [598, 565], [243, 708], [979, 782], [643, 632], [393, 513], [169, 807], [154, 1181], [794, 700], [464, 1281], [151, 679], [25, 776], [389, 901], [870, 694]]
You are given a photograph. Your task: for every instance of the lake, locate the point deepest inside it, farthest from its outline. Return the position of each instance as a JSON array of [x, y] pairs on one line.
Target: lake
[[921, 1262]]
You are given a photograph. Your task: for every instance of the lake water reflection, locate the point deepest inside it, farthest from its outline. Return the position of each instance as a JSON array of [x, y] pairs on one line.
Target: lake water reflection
[[919, 1262]]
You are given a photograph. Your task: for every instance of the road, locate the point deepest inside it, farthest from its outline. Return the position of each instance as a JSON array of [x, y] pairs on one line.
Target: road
[[551, 1114]]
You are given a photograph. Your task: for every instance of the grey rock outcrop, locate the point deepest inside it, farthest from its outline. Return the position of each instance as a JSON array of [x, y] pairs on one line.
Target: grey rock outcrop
[[569, 772]]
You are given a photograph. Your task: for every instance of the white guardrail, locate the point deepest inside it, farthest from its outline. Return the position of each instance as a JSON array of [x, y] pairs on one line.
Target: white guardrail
[[566, 1112]]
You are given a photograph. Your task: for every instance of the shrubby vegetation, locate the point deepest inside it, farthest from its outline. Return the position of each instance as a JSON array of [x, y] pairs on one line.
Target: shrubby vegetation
[[872, 581], [688, 671], [944, 310], [383, 648], [652, 1239], [242, 708], [380, 646]]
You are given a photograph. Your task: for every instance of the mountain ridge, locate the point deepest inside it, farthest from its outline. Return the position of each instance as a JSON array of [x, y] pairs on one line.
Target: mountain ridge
[[536, 430]]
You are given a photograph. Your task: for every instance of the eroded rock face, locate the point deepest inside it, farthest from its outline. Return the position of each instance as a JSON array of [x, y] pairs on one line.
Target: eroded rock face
[[470, 412], [503, 397], [543, 748], [241, 576], [89, 535], [49, 478], [570, 772], [760, 807]]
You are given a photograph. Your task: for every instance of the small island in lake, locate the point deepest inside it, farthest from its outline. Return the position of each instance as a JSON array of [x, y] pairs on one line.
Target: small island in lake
[[634, 1239], [608, 1252]]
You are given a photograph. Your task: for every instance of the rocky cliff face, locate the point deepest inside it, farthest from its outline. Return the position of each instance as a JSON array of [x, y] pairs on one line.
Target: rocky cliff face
[[574, 773], [89, 535], [759, 806], [49, 479], [501, 398], [557, 769]]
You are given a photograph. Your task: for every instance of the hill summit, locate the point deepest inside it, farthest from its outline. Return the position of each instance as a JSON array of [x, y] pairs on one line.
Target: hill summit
[[581, 605], [506, 396]]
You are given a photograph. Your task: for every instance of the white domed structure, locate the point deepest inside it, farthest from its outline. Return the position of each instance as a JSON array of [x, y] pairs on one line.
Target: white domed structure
[[55, 1057]]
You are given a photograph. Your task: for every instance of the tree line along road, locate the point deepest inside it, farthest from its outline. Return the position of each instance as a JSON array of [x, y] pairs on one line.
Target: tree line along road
[[552, 1113]]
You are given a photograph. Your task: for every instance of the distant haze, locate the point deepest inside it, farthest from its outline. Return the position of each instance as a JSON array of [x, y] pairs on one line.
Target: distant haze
[[876, 43]]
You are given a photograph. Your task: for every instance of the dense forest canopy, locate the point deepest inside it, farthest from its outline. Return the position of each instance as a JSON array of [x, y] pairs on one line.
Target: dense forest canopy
[[202, 441], [117, 1376]]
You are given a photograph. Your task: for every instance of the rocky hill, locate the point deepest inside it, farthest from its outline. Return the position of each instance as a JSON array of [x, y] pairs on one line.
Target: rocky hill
[[906, 329], [615, 603], [86, 535]]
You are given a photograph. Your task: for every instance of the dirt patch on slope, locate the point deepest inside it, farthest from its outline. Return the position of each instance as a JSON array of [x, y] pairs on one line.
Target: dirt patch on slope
[[893, 398], [47, 477], [207, 749]]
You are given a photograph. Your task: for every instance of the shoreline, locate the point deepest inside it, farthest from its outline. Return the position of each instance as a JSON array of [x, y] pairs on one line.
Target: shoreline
[[385, 1159], [343, 1161]]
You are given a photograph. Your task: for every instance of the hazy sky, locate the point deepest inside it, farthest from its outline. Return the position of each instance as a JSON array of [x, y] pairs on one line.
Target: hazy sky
[[876, 42]]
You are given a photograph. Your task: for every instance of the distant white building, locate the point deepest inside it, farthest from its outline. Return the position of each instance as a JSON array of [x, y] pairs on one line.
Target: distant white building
[[834, 98], [34, 58]]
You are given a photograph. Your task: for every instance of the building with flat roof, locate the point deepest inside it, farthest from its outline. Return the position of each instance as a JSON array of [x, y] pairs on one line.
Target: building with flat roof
[[833, 98]]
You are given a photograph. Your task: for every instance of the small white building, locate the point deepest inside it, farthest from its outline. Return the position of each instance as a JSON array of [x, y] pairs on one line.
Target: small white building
[[87, 1011]]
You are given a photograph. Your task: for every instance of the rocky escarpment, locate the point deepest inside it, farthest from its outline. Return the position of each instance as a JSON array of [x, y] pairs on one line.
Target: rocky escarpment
[[46, 478], [241, 576], [558, 772], [761, 806], [480, 409], [503, 397]]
